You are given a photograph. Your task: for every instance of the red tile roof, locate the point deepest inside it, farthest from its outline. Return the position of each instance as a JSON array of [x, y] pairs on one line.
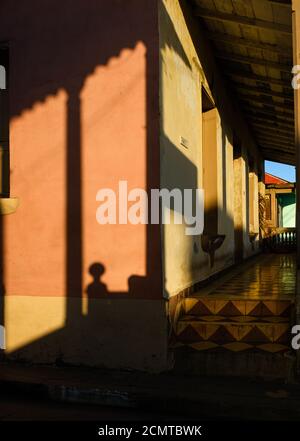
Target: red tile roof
[[271, 179]]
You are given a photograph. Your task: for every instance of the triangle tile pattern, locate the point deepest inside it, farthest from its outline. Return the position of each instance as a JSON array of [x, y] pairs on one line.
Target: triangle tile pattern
[[251, 311], [234, 325], [231, 308]]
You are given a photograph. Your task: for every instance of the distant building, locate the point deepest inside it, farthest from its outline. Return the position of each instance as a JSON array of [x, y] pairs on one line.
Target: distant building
[[280, 202]]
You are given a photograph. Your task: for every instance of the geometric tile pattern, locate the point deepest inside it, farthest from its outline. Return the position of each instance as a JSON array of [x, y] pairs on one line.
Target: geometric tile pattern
[[231, 308], [273, 348], [236, 336], [237, 333], [229, 330], [250, 312]]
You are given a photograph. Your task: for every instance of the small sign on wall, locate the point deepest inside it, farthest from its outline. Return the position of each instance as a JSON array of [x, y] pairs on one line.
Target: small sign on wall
[[184, 142]]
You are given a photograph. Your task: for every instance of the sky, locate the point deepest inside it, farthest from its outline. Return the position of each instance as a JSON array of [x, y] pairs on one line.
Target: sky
[[283, 171]]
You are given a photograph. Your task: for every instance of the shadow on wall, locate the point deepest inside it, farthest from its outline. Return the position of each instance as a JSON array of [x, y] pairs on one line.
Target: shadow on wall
[[116, 329], [218, 241], [65, 49], [189, 259]]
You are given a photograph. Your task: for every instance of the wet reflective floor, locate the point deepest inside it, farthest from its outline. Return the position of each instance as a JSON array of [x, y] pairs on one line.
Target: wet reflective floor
[[248, 309], [270, 276]]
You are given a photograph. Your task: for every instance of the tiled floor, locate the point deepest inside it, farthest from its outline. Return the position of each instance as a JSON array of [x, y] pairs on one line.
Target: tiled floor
[[250, 308], [269, 276]]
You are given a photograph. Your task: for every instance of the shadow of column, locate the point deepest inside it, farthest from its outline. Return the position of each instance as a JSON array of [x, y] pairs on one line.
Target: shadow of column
[[73, 205], [2, 287]]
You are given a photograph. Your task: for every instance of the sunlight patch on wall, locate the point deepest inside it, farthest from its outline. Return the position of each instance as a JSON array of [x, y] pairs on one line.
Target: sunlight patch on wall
[[114, 148]]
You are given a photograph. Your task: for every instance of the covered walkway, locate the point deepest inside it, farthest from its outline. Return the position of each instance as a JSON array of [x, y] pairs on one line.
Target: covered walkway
[[268, 277], [241, 323], [244, 317]]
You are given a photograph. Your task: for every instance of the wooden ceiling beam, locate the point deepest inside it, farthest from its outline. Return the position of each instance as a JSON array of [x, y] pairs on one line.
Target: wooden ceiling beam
[[284, 144], [276, 132], [277, 151], [269, 155], [242, 20], [273, 139], [262, 111], [284, 159], [284, 141], [227, 38], [279, 154], [287, 114], [281, 125], [251, 76], [281, 3], [271, 122], [260, 100], [272, 146], [269, 126], [260, 90], [250, 60]]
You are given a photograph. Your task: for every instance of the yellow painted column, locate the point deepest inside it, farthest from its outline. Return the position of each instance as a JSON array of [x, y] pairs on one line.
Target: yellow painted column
[[239, 194]]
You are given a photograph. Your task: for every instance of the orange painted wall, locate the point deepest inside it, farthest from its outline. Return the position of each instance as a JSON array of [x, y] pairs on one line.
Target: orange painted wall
[[103, 53], [84, 115]]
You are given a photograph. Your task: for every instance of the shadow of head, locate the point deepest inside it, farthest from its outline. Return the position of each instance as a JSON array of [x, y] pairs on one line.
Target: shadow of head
[[97, 270], [97, 288]]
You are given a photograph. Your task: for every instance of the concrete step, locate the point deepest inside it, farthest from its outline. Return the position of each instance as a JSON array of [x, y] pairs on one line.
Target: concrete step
[[242, 346], [253, 363], [239, 324]]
